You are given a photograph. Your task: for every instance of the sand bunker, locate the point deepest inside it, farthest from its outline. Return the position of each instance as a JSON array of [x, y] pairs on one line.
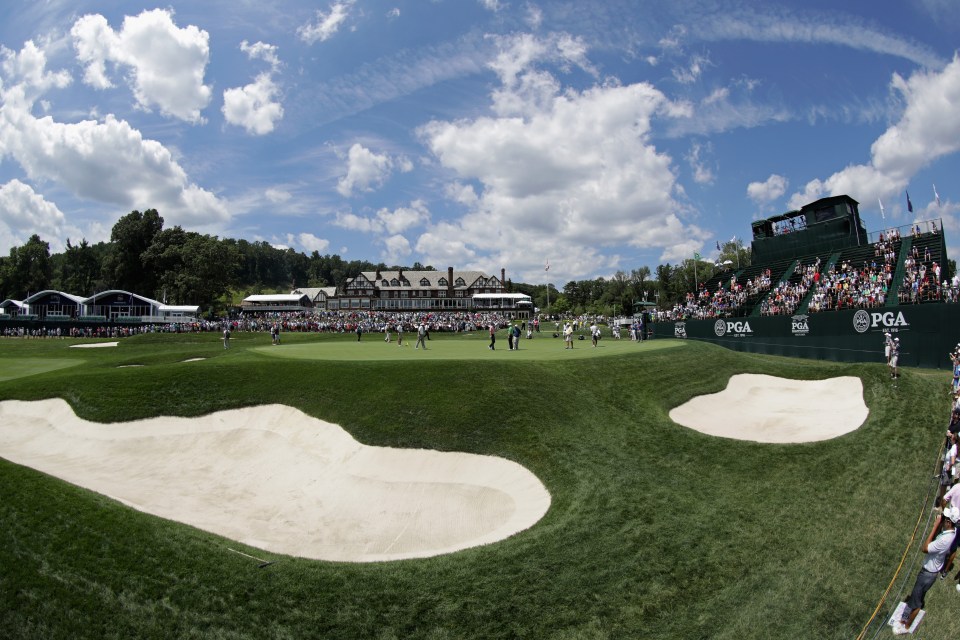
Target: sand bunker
[[193, 360], [770, 409], [94, 345], [274, 478]]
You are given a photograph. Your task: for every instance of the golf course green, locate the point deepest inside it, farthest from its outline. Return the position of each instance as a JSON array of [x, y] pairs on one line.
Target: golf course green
[[654, 530]]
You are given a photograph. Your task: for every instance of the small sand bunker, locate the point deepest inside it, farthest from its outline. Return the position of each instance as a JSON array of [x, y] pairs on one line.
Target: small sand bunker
[[94, 345], [275, 478], [770, 409]]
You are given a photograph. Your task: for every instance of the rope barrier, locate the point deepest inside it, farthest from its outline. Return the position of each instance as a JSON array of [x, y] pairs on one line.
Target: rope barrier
[[906, 551]]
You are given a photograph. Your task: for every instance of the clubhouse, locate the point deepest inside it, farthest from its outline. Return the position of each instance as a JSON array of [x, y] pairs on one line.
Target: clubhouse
[[106, 306], [403, 291]]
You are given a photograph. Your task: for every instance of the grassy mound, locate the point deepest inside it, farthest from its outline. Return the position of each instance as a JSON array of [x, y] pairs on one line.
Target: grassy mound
[[655, 530]]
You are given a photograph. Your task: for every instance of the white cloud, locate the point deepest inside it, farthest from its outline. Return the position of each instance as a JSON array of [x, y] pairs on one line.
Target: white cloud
[[308, 242], [277, 196], [766, 192], [394, 13], [366, 170], [254, 106], [562, 176], [24, 212], [692, 71], [702, 174], [928, 129], [492, 5], [106, 161], [396, 249], [403, 218], [166, 63], [261, 51], [386, 221], [353, 222], [774, 24], [534, 16], [327, 24], [28, 70]]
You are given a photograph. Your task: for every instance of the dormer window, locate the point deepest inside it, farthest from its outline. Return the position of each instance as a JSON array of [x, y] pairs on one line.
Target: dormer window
[[384, 283], [394, 283], [442, 282], [460, 283], [424, 282]]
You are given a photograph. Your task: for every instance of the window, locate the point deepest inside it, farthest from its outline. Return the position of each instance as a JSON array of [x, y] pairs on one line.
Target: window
[[384, 283], [441, 294], [424, 282], [459, 283], [443, 282], [394, 283]]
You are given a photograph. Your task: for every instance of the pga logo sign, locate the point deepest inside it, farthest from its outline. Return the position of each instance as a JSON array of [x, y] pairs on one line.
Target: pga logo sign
[[721, 327], [680, 330], [863, 320]]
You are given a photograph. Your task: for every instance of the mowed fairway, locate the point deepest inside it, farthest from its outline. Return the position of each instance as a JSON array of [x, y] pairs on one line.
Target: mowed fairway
[[653, 531]]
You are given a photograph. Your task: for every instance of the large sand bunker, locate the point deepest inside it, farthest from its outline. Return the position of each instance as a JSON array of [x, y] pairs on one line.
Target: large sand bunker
[[770, 409], [274, 478]]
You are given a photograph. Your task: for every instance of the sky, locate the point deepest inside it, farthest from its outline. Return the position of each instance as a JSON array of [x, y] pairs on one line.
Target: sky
[[590, 136]]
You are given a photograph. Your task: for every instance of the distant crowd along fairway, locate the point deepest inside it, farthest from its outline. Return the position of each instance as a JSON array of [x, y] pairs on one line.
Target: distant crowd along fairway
[[459, 346]]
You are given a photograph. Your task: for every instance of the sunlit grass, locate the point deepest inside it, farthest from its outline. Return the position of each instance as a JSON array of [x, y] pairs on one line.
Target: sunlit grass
[[654, 531]]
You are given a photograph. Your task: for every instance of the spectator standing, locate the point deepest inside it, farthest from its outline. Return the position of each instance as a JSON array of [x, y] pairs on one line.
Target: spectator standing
[[936, 547], [493, 337], [226, 337]]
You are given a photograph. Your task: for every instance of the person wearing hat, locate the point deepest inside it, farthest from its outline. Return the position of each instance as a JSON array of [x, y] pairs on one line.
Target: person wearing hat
[[894, 357], [936, 547], [887, 346]]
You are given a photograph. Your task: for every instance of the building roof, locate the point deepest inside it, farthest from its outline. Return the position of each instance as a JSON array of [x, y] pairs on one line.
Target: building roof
[[68, 296], [415, 277], [93, 299], [281, 298], [314, 292], [501, 296]]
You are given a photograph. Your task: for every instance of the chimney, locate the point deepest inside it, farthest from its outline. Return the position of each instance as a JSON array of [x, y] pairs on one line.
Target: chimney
[[449, 278], [503, 278]]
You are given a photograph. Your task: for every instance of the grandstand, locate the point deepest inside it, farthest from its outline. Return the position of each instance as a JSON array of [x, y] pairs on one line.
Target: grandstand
[[820, 286]]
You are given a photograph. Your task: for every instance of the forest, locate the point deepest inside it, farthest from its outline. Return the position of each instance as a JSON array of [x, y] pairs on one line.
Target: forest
[[185, 267]]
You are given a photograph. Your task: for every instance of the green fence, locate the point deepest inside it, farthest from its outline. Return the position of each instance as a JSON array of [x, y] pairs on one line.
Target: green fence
[[927, 334]]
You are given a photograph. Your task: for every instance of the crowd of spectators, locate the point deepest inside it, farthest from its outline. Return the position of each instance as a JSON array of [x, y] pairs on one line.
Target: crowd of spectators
[[786, 296], [851, 287], [940, 547], [722, 303]]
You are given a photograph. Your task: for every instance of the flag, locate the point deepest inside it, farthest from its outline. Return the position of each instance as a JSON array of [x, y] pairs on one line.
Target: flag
[[881, 209], [936, 195], [547, 268], [909, 204], [696, 256], [718, 245]]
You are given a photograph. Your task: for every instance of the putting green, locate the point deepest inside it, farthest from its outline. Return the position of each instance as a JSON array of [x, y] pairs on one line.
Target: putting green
[[11, 368], [459, 347]]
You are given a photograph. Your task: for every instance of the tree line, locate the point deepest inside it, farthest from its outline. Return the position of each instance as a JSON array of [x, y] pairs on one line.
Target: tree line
[[186, 267]]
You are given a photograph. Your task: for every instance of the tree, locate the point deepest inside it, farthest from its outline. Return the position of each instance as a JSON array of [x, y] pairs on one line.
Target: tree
[[131, 236], [28, 270], [80, 269]]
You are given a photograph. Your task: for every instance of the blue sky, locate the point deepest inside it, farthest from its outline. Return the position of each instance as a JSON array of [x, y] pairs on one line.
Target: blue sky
[[593, 135]]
